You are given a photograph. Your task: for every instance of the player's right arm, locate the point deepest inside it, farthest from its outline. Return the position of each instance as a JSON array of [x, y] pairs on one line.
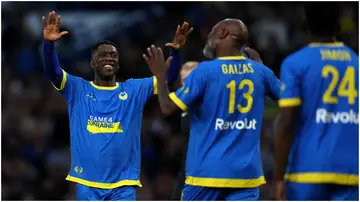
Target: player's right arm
[[285, 121], [272, 84], [51, 64], [58, 77], [186, 95]]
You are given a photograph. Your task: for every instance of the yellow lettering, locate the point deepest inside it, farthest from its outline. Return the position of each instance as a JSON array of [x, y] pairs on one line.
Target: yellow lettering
[[236, 69], [224, 68], [231, 69], [246, 70], [339, 55], [251, 70], [103, 127]]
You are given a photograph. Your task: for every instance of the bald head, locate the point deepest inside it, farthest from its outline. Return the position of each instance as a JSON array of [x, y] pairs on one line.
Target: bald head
[[237, 30], [226, 38], [186, 69]]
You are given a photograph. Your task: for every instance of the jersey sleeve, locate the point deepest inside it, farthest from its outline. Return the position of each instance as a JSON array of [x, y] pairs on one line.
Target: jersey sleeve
[[147, 87], [193, 88], [290, 85], [69, 86], [272, 84]]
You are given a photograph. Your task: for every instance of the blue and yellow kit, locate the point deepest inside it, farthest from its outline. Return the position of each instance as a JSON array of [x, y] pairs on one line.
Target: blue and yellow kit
[[322, 80], [225, 97], [325, 86], [105, 125]]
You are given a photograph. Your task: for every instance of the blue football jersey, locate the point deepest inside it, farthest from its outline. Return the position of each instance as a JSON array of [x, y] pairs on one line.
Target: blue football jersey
[[323, 80], [225, 97], [105, 125]]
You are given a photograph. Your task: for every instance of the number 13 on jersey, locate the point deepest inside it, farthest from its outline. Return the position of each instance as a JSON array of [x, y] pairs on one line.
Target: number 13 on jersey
[[247, 95]]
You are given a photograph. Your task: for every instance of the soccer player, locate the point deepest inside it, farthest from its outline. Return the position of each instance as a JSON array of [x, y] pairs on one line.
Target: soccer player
[[319, 102], [225, 97], [105, 120]]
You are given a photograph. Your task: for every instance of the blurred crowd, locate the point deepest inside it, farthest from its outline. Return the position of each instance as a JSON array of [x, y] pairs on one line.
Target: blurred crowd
[[35, 128]]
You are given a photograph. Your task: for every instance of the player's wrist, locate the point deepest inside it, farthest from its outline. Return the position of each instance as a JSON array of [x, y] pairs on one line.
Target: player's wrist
[[48, 42]]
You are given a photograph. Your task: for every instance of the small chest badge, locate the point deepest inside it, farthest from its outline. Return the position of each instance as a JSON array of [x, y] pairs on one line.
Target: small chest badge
[[123, 96]]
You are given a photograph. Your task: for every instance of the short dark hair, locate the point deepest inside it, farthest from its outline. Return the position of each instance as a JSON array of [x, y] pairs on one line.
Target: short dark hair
[[322, 18], [104, 42]]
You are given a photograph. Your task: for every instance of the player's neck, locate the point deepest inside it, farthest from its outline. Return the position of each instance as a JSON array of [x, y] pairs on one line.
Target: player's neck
[[109, 83], [228, 52], [322, 39]]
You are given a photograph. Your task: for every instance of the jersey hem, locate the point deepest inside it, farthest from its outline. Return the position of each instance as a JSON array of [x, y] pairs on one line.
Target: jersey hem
[[177, 101], [104, 185], [321, 178], [290, 102], [225, 182]]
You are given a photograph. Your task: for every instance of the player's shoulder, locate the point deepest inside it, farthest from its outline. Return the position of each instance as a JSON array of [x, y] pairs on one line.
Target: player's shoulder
[[135, 82], [298, 56], [351, 52], [72, 77], [300, 59]]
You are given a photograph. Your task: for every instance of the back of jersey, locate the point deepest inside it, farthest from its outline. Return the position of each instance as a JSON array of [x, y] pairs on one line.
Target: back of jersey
[[226, 118], [323, 80]]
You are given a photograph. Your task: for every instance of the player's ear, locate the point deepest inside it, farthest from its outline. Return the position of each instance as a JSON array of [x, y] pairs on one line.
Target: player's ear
[[223, 33]]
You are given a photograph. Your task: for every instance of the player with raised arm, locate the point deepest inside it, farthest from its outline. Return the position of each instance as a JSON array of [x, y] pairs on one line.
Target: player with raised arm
[[105, 120], [225, 97], [316, 130]]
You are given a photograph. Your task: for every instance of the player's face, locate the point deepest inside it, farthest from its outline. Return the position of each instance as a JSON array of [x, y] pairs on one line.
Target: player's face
[[210, 47], [105, 61]]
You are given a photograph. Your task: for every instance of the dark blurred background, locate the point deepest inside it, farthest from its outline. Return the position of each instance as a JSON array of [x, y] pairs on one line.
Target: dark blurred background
[[35, 128]]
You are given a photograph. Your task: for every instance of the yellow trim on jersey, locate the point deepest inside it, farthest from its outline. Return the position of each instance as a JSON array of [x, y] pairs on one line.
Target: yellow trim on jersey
[[155, 86], [331, 178], [105, 87], [63, 81], [177, 101], [289, 102], [225, 182], [330, 44], [233, 58], [104, 185]]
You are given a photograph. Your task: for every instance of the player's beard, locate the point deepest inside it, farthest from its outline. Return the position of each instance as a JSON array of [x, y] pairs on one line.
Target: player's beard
[[209, 50]]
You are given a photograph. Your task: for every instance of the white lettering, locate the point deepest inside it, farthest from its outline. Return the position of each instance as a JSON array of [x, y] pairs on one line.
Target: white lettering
[[220, 124], [323, 116], [101, 119]]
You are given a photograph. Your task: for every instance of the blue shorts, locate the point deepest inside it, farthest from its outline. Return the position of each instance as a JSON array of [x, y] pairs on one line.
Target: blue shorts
[[195, 193], [85, 193], [321, 192]]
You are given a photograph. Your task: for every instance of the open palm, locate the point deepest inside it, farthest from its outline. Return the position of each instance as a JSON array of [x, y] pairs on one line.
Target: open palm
[[182, 32], [51, 27]]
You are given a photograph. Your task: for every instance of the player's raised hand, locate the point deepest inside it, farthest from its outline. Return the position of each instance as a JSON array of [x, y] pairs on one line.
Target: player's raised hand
[[51, 27], [156, 62], [254, 55], [182, 32]]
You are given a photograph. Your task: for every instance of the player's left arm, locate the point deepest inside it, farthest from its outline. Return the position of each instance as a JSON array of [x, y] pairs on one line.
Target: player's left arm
[[289, 103], [171, 102]]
